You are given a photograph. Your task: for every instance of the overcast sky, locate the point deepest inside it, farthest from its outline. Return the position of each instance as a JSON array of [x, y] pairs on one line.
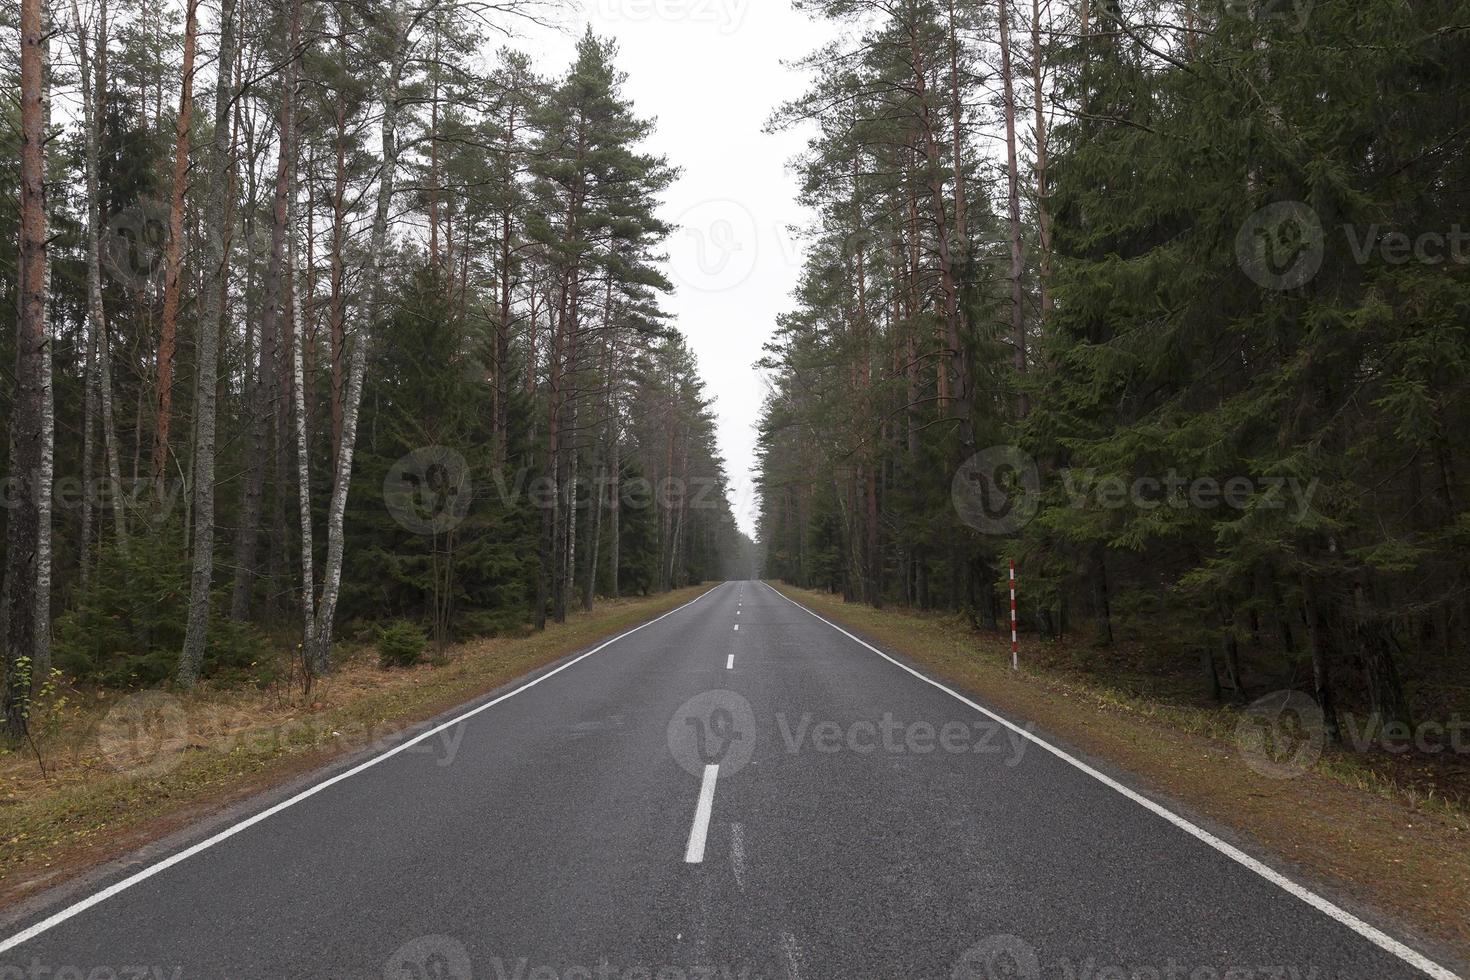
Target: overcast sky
[[711, 72]]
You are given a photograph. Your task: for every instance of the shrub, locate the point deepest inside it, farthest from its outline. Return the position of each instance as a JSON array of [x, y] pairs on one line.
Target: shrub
[[127, 631], [401, 644]]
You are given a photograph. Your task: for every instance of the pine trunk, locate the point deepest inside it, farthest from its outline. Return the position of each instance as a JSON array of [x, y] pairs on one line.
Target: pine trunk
[[27, 438], [174, 256]]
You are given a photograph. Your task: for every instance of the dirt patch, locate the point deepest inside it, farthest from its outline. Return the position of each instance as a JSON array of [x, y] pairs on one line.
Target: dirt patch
[[1371, 838]]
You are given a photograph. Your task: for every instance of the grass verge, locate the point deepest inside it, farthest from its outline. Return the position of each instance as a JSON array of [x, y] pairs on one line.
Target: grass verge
[[1402, 853], [123, 770]]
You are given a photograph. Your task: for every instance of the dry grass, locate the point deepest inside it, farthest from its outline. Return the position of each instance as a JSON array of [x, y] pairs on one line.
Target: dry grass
[[1365, 828], [121, 770]]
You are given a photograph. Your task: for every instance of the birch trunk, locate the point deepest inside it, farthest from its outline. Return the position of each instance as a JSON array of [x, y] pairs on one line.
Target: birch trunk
[[303, 475], [93, 93], [326, 611], [206, 386]]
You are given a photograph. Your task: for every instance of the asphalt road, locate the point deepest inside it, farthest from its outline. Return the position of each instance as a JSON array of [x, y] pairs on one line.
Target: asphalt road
[[739, 790]]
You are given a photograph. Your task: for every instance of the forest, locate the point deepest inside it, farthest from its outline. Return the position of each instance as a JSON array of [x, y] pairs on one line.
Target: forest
[[315, 315], [1164, 302]]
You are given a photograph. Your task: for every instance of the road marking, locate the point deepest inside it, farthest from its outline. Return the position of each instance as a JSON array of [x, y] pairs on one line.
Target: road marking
[[793, 956], [1376, 936], [737, 853], [694, 852], [737, 627], [47, 924], [730, 663]]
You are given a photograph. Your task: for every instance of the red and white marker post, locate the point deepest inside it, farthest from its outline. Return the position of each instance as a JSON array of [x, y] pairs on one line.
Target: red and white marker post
[[1015, 643]]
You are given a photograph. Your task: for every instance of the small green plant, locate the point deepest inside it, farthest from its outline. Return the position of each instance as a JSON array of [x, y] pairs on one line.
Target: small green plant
[[42, 710], [401, 644]]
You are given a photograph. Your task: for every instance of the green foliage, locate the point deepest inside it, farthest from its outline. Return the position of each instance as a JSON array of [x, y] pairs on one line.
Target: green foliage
[[401, 644], [128, 630]]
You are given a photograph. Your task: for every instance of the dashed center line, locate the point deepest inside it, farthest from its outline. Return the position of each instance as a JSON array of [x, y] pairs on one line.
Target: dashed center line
[[737, 626], [730, 663], [694, 852]]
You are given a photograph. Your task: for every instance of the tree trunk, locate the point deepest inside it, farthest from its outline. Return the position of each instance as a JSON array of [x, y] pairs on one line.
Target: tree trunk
[[954, 317], [268, 408], [173, 255], [1319, 636], [1043, 211], [206, 378], [27, 439], [1013, 207], [332, 571], [93, 95]]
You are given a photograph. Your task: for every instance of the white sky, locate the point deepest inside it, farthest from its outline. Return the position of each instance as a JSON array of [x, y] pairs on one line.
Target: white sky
[[711, 71]]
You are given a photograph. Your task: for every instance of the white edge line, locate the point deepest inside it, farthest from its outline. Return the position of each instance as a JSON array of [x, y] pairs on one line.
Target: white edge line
[[1376, 936], [77, 908], [694, 852]]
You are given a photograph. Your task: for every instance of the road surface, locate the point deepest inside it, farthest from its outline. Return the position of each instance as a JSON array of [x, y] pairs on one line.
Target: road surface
[[737, 789]]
